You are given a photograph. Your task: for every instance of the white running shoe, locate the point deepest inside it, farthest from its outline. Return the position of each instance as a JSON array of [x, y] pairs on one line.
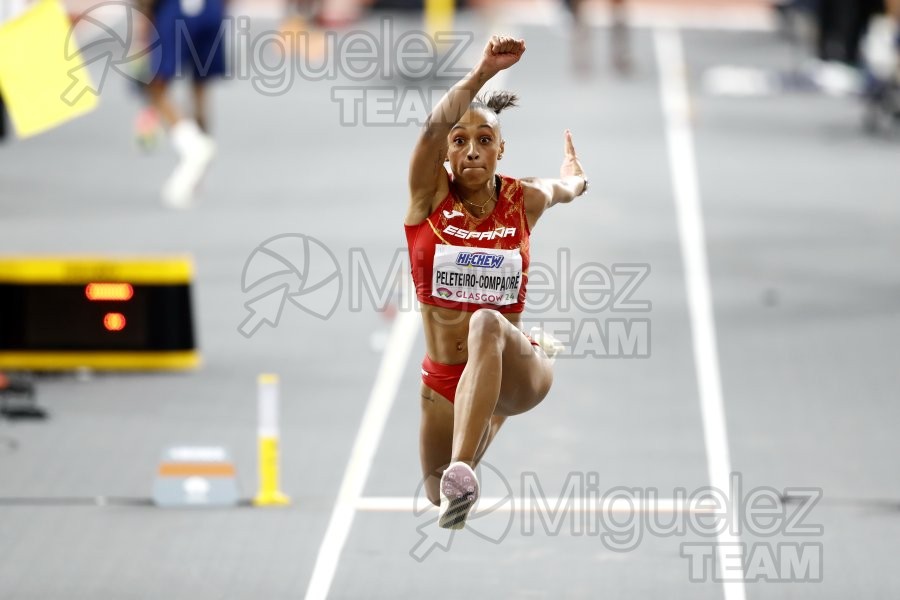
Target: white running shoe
[[837, 79], [549, 344], [459, 493], [196, 150]]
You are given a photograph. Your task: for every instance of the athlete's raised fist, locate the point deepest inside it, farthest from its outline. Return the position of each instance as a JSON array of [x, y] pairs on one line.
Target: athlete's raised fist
[[502, 52]]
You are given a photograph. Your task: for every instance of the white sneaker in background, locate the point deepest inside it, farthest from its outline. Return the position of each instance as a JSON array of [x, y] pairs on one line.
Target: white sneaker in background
[[196, 150], [879, 48], [837, 79]]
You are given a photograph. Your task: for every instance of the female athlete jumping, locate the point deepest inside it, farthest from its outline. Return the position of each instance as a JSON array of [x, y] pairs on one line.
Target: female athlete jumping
[[468, 237]]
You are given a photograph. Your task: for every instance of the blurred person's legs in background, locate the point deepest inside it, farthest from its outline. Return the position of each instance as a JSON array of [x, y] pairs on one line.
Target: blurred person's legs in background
[[825, 19], [582, 51], [307, 21], [619, 44], [192, 41], [842, 25], [199, 89], [300, 29]]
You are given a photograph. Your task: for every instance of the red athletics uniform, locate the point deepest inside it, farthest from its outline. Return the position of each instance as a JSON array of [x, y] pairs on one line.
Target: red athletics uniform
[[464, 263]]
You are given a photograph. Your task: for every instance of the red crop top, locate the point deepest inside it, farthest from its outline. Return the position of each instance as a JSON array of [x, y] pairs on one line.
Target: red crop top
[[458, 261]]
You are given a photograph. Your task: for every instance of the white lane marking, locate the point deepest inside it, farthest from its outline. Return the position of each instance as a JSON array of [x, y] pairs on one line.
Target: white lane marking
[[409, 504], [393, 362], [683, 165]]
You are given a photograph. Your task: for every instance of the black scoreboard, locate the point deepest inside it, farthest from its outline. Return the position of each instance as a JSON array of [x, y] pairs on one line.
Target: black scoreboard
[[106, 314]]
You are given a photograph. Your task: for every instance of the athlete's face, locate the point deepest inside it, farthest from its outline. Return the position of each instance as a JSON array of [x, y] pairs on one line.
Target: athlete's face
[[474, 146]]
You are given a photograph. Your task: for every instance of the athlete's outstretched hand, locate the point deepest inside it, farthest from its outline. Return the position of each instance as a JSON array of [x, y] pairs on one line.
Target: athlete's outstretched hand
[[502, 52], [571, 166]]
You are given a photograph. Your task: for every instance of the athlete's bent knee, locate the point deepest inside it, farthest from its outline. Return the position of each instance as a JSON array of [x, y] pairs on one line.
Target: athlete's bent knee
[[486, 324]]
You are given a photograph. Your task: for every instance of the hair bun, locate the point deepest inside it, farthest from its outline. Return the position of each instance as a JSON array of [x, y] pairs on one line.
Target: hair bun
[[498, 101]]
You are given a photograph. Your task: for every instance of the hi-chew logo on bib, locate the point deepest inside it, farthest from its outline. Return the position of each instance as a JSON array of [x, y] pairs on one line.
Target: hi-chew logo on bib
[[485, 276], [479, 259]]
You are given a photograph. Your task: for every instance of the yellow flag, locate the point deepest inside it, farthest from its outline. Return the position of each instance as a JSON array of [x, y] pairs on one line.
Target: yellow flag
[[43, 78]]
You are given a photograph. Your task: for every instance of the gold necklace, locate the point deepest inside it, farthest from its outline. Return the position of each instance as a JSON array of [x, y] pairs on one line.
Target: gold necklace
[[485, 203]]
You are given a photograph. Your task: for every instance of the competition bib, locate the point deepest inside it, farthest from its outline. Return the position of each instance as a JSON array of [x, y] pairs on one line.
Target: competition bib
[[477, 275]]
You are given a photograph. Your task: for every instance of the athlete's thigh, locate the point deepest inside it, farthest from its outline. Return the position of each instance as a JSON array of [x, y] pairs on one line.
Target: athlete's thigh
[[435, 439], [527, 374]]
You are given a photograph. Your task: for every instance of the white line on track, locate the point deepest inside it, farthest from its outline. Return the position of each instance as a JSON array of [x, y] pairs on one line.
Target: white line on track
[[393, 362], [683, 165]]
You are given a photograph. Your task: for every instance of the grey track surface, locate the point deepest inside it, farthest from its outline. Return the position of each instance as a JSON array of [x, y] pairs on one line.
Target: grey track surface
[[801, 215]]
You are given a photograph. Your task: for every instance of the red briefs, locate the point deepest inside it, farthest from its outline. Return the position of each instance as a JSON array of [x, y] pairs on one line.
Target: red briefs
[[444, 378]]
